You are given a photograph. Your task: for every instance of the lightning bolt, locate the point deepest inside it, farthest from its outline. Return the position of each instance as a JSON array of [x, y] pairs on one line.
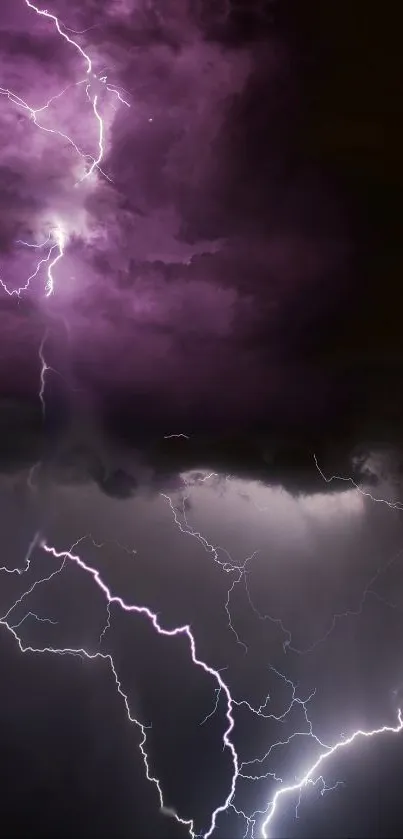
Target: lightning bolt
[[181, 631], [44, 369], [27, 563], [240, 572], [57, 239], [395, 505], [176, 436], [241, 769], [311, 777], [91, 82], [368, 589], [308, 778], [56, 244], [228, 566]]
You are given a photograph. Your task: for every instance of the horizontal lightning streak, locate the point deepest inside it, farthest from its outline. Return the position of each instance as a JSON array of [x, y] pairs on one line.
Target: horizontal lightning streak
[[395, 505]]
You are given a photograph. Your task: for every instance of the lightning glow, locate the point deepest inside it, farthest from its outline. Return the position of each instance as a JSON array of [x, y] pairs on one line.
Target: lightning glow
[[93, 84], [308, 778]]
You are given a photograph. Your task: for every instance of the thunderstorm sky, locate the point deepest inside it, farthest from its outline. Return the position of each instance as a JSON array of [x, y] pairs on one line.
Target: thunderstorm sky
[[201, 495]]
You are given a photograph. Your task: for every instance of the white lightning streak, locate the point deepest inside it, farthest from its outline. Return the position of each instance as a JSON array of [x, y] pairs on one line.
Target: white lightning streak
[[311, 778], [56, 242], [91, 78], [44, 369], [50, 16], [57, 246], [185, 631], [27, 563], [395, 505], [308, 777]]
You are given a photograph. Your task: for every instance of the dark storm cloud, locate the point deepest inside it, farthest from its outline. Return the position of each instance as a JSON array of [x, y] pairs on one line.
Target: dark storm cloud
[[71, 450], [192, 319], [217, 286], [188, 178]]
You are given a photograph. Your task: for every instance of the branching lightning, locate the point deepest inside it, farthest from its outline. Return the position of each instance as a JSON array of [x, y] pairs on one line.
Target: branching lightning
[[309, 778], [57, 240], [259, 820], [395, 505], [253, 769], [93, 84], [181, 631]]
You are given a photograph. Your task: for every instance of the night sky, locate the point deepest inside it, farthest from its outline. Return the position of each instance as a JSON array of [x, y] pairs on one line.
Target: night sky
[[201, 412]]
